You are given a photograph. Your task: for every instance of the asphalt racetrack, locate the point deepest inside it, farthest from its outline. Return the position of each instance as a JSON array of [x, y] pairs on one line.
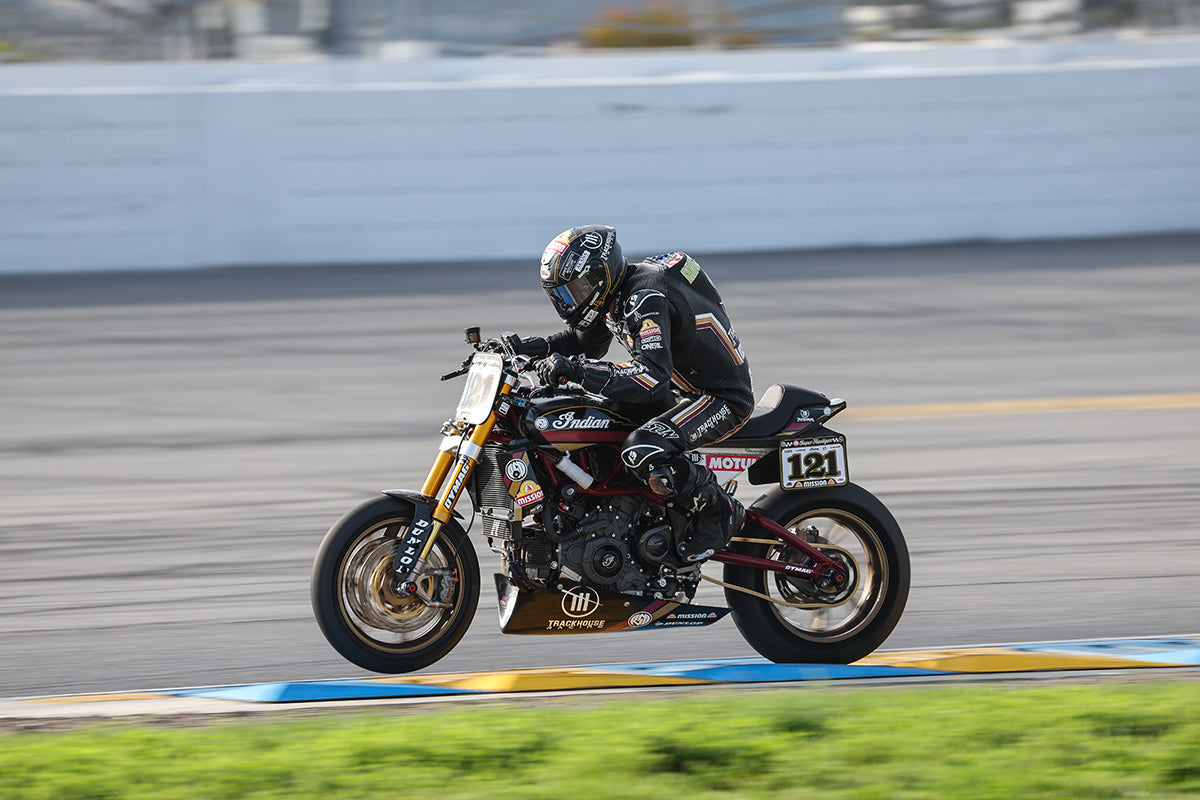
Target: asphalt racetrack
[[173, 446]]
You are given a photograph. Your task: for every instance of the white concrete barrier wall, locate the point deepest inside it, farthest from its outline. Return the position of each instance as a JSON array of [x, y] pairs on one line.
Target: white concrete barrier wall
[[162, 166]]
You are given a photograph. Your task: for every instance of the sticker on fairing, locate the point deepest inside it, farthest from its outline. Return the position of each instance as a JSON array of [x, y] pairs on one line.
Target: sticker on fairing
[[808, 463], [519, 478], [528, 494], [726, 464]]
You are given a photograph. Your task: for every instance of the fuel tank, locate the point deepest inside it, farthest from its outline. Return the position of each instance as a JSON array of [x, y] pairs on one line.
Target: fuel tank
[[573, 421]]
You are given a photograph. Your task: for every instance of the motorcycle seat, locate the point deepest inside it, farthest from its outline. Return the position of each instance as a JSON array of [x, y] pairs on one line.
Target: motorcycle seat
[[777, 409]]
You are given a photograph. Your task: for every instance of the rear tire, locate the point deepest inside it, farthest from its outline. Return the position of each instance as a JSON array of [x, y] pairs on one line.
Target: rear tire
[[354, 592], [845, 521]]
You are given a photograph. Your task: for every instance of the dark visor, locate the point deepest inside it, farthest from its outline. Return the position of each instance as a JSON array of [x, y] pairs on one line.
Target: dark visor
[[570, 295]]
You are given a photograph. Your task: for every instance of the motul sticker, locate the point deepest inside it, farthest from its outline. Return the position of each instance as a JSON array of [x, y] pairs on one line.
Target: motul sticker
[[720, 463]]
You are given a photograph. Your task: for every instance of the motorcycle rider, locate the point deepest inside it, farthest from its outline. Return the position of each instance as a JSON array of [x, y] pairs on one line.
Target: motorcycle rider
[[687, 375]]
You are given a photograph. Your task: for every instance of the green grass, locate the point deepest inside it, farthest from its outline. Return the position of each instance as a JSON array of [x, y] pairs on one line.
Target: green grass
[[1109, 740]]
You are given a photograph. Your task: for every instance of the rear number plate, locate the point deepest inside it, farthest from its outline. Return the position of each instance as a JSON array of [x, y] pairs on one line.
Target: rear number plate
[[807, 463]]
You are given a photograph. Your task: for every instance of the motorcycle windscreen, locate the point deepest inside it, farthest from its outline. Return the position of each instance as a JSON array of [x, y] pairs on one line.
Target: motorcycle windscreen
[[483, 381]]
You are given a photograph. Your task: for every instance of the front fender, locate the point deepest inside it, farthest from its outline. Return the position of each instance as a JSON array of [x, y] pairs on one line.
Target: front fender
[[416, 498]]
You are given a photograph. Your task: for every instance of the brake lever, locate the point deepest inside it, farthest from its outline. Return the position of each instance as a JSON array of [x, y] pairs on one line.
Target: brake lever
[[463, 370]]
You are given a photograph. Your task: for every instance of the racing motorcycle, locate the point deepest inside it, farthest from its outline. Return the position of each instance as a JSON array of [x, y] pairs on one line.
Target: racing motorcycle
[[818, 573]]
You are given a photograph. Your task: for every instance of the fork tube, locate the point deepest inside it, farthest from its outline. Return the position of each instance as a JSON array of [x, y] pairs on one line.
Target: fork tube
[[469, 450], [437, 473], [468, 456], [448, 491]]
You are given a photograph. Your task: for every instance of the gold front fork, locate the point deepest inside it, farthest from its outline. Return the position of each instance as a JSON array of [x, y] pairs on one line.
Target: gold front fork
[[438, 473], [448, 476]]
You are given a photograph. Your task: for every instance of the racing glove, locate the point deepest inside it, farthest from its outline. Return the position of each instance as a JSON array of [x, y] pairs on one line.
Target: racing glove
[[556, 369], [533, 346]]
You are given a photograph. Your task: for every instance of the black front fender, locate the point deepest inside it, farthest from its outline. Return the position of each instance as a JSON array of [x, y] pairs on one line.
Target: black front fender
[[416, 498]]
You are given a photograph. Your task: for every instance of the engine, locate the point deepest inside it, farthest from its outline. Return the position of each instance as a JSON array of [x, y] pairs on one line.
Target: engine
[[623, 543], [618, 544]]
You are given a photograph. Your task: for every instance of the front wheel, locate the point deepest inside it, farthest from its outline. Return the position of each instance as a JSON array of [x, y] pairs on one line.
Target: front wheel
[[355, 591], [787, 619]]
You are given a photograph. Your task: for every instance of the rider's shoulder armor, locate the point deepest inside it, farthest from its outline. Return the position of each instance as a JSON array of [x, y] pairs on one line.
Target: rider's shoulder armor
[[681, 270]]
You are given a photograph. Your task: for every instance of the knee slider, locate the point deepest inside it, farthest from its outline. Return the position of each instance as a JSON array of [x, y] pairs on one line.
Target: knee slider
[[676, 476], [663, 481], [657, 463], [644, 451]]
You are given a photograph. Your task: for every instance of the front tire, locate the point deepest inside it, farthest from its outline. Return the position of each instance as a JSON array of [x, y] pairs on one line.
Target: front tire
[[848, 523], [355, 597]]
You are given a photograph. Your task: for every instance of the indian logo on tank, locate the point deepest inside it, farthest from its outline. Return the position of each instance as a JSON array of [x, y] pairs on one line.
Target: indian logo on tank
[[567, 421], [578, 425]]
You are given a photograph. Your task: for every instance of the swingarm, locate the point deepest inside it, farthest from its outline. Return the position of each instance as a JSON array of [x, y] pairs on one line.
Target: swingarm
[[827, 574]]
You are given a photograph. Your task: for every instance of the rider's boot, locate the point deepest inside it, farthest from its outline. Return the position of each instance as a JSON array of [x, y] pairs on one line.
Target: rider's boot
[[716, 516], [715, 520]]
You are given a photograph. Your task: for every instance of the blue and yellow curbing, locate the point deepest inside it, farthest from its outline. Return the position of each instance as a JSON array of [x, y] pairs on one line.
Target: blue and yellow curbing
[[1183, 651]]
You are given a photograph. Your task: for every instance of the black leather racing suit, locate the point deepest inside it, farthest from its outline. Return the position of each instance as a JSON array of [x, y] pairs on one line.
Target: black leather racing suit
[[687, 369]]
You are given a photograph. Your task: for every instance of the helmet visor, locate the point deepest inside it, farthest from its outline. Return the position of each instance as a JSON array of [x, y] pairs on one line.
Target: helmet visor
[[569, 296]]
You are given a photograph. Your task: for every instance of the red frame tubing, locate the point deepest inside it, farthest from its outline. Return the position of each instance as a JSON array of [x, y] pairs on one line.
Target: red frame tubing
[[823, 565]]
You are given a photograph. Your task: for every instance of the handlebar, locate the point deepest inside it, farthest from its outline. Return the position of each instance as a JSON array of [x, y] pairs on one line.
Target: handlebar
[[497, 344]]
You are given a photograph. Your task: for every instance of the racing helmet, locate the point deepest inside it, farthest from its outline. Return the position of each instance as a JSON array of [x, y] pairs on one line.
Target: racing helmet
[[581, 268]]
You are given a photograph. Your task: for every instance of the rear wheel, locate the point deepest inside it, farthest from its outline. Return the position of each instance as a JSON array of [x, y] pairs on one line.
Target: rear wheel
[[356, 597], [791, 620]]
